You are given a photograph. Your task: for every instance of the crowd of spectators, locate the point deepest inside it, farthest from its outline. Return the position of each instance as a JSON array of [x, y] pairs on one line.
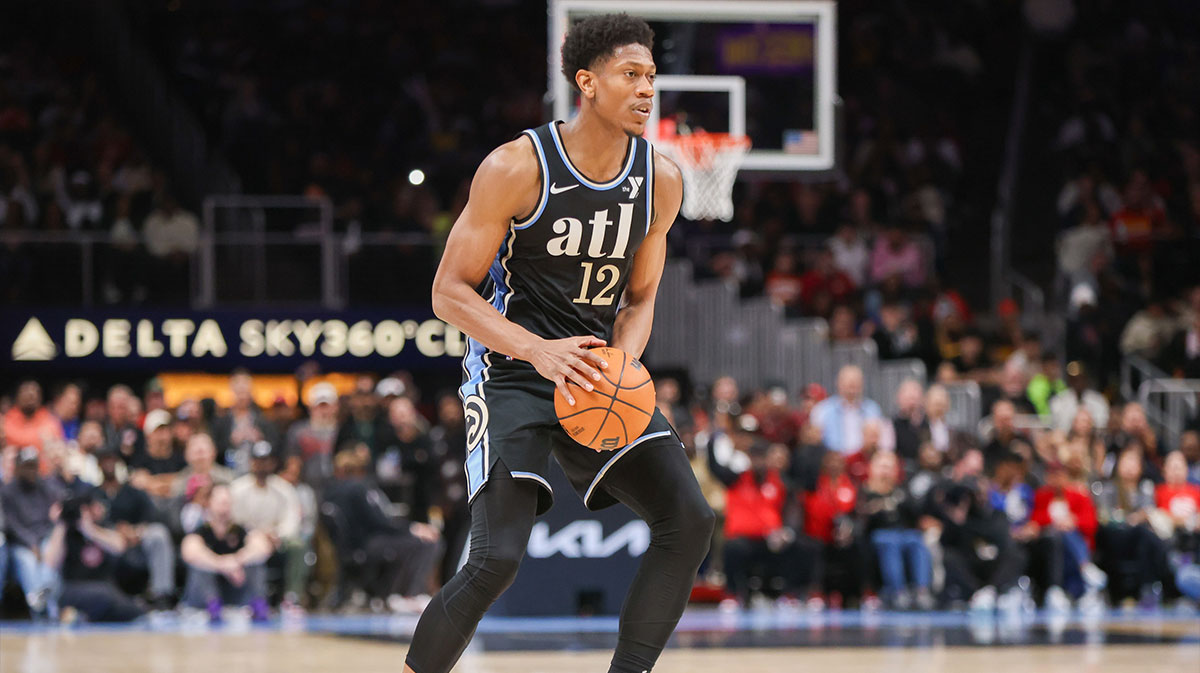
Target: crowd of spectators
[[1125, 158], [68, 164], [827, 502], [116, 506]]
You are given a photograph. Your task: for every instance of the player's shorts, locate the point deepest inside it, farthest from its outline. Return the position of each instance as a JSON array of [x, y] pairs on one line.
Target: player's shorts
[[510, 416]]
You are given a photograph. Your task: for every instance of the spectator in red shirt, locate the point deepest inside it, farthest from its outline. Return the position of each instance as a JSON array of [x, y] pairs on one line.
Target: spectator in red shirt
[[1069, 509], [824, 278], [28, 423], [755, 532], [1142, 219], [783, 284], [829, 519], [1177, 498]]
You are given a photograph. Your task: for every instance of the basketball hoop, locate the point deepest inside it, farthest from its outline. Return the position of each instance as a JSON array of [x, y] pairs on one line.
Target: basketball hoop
[[709, 163]]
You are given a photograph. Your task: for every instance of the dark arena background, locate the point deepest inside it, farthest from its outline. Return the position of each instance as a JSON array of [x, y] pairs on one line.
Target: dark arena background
[[932, 342]]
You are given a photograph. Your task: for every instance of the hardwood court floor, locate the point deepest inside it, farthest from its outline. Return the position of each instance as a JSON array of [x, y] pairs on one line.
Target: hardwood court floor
[[275, 652]]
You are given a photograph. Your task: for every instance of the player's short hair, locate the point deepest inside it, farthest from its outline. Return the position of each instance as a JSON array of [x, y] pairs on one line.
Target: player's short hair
[[597, 37]]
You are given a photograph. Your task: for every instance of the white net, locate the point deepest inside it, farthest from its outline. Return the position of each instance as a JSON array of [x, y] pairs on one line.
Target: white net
[[709, 163]]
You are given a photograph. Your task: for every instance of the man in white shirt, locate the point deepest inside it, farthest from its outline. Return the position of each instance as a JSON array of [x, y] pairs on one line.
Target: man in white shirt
[[171, 231], [266, 502], [842, 416]]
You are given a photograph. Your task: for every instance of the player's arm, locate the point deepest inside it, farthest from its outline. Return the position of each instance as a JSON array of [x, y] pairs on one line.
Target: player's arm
[[506, 186], [636, 317]]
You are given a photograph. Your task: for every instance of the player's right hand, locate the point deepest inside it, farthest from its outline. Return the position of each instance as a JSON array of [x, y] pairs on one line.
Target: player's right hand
[[563, 360]]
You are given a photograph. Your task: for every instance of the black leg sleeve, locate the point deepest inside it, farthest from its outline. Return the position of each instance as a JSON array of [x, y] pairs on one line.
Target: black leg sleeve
[[657, 483], [501, 519]]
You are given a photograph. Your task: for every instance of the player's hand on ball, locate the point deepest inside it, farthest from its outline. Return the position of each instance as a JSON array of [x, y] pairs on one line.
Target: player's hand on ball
[[562, 360]]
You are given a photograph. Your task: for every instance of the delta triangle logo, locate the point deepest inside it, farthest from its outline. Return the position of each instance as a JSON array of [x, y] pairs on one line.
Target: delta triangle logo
[[34, 344]]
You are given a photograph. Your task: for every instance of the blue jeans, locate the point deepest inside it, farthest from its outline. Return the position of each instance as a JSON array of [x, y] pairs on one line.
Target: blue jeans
[[893, 546], [37, 580], [1075, 554], [204, 586]]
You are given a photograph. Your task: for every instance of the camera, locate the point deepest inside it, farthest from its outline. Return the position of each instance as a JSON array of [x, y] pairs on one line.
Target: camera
[[72, 508]]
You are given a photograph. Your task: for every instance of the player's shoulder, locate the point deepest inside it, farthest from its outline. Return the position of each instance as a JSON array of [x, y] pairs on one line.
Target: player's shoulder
[[514, 160], [666, 171]]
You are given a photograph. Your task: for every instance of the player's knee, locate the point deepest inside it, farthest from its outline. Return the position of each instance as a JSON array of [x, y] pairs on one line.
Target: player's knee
[[497, 572], [696, 520]]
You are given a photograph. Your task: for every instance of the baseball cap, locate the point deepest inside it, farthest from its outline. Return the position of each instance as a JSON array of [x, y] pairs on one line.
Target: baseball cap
[[322, 393], [390, 387], [155, 420], [26, 455], [747, 423]]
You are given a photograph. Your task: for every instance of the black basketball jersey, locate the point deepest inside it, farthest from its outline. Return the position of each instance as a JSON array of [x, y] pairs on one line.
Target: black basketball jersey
[[561, 271]]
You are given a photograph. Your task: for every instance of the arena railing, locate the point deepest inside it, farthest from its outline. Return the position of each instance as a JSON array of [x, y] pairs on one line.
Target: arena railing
[[1170, 404]]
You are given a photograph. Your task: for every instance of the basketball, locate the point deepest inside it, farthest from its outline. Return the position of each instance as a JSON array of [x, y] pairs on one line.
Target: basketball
[[616, 410]]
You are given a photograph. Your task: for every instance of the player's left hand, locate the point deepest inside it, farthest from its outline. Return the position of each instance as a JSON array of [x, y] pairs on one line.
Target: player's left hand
[[562, 360]]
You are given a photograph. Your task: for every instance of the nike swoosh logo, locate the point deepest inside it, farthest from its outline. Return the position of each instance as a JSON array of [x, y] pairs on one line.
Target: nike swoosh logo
[[555, 189]]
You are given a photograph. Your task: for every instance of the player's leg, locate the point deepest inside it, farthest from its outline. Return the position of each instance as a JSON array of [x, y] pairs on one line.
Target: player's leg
[[656, 481], [501, 519]]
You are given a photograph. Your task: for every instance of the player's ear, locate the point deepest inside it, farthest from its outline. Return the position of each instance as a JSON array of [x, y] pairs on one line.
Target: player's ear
[[586, 81]]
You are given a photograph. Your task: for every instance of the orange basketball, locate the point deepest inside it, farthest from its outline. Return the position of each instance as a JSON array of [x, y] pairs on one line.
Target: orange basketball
[[616, 410]]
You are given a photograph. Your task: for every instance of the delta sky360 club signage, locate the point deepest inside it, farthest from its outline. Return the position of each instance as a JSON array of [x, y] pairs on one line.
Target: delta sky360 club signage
[[81, 340]]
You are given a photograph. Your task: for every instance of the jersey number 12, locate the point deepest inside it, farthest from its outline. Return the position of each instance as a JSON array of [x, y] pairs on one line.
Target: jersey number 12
[[608, 274]]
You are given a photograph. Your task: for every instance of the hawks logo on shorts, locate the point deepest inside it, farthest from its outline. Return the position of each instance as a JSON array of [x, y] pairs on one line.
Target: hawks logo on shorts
[[475, 412]]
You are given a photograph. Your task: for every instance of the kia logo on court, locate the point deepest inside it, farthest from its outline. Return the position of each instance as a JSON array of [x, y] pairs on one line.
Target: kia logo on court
[[585, 539]]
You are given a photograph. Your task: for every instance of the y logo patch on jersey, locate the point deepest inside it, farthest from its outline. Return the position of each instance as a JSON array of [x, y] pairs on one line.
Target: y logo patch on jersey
[[555, 189], [634, 187], [475, 414]]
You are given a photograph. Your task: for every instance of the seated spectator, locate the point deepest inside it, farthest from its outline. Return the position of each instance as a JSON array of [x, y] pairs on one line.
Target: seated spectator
[[1005, 437], [147, 546], [1178, 504], [981, 559], [843, 325], [1079, 395], [783, 284], [1085, 241], [777, 420], [889, 517], [1134, 430], [1013, 385], [225, 562], [926, 472], [308, 516], [63, 463], [896, 335], [171, 235], [28, 423], [265, 502], [66, 407], [400, 556], [1125, 539], [1068, 509], [27, 502], [972, 362], [156, 470], [242, 426], [1011, 494], [405, 468], [755, 531], [937, 405], [86, 554], [858, 464], [312, 439], [841, 417], [896, 255], [850, 254], [909, 426], [1149, 331], [200, 454], [91, 444], [823, 279], [121, 430], [365, 423], [829, 519], [1045, 384]]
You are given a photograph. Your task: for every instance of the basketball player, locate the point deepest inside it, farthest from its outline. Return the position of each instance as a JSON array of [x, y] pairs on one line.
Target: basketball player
[[567, 224]]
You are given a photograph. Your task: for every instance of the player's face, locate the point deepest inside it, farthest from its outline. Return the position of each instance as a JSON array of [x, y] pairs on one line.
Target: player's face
[[623, 90]]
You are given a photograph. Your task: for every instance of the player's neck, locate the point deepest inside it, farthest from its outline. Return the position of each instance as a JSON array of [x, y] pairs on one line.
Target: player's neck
[[594, 145]]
